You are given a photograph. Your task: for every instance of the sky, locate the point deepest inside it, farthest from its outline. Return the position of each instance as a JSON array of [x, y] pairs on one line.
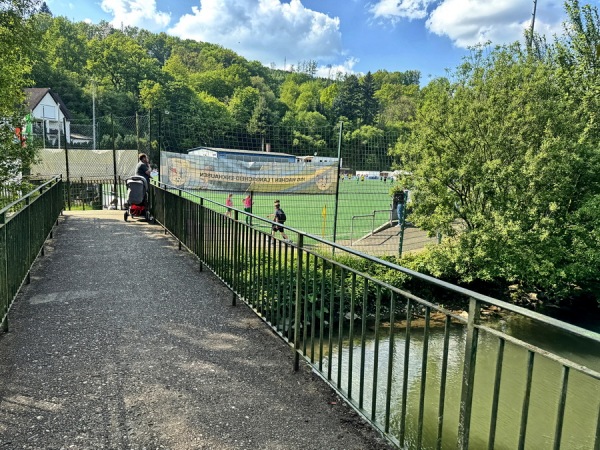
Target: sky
[[349, 36]]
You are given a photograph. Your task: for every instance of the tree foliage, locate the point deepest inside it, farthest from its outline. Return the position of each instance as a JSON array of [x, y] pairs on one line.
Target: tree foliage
[[17, 38], [503, 159]]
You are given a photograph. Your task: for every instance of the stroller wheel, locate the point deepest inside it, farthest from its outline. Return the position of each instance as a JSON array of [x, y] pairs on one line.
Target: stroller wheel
[[126, 216]]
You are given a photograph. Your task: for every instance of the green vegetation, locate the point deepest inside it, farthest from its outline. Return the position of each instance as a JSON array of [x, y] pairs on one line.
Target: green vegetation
[[507, 145], [17, 38]]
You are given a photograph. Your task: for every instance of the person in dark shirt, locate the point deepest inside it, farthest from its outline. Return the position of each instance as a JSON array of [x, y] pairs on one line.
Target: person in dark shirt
[[279, 217], [143, 168]]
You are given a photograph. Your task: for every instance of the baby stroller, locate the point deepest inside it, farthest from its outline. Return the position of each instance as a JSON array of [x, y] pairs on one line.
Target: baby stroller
[[137, 198]]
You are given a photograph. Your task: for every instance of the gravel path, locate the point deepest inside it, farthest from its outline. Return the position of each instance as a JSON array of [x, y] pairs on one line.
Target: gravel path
[[120, 342]]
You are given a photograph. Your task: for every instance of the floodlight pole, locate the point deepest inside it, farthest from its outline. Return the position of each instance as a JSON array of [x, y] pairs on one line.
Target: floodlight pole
[[530, 40], [337, 183], [94, 114]]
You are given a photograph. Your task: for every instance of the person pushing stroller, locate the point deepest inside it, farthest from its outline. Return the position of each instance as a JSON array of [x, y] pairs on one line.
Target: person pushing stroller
[[143, 168], [137, 191]]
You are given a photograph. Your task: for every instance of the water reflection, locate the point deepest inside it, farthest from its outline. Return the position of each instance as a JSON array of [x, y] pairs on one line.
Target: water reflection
[[582, 401]]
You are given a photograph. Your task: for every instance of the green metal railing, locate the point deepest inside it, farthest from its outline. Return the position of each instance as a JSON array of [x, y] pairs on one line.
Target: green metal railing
[[422, 386], [24, 227]]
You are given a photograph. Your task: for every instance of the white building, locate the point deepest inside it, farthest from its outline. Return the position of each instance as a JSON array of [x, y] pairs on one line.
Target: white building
[[49, 112]]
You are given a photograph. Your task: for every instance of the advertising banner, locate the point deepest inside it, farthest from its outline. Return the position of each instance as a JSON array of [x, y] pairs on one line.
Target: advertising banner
[[229, 174]]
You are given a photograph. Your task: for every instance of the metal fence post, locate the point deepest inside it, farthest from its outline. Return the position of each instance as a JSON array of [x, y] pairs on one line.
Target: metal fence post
[[67, 166], [401, 239], [114, 151], [337, 183], [466, 397], [179, 218], [4, 272], [298, 302], [235, 254], [137, 132], [29, 244], [201, 233]]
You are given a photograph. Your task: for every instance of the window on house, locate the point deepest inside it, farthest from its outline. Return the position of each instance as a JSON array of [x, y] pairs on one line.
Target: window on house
[[49, 112]]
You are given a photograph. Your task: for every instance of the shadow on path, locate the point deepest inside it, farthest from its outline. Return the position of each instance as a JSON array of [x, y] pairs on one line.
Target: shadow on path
[[121, 342]]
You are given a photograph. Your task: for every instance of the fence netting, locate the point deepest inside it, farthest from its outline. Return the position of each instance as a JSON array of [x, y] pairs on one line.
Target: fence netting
[[332, 181]]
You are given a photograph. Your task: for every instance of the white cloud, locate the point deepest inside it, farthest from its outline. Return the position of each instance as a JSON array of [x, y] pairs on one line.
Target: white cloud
[[331, 71], [265, 30], [469, 22], [136, 13], [395, 10]]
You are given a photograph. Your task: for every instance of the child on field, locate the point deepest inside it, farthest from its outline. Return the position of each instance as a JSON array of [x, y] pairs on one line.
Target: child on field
[[279, 217], [248, 208], [229, 204]]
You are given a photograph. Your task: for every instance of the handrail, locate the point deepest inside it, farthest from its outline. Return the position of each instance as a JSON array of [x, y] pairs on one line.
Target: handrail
[[23, 232], [372, 215], [467, 293], [32, 193], [325, 309]]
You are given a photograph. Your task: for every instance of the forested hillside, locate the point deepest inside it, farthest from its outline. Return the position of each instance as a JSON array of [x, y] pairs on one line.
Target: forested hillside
[[133, 70]]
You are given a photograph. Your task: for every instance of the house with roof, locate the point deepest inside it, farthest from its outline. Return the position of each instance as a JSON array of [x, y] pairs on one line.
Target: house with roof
[[50, 117]]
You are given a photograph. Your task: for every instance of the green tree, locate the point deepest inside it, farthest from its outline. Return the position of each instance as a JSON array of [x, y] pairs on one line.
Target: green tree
[[212, 83], [496, 153], [309, 96], [176, 68], [327, 99], [111, 61], [60, 61], [17, 38], [290, 90], [261, 120], [242, 104], [153, 96], [367, 141], [349, 98], [310, 129], [408, 78], [369, 107], [398, 106], [44, 9]]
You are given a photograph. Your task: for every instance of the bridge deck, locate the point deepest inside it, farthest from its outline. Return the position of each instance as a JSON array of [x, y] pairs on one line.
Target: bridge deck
[[120, 342]]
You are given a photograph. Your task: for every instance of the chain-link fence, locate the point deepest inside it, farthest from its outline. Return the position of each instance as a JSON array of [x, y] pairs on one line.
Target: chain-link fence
[[356, 209]]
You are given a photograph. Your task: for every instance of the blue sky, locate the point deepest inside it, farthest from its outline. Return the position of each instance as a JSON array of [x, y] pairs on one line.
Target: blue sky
[[353, 36]]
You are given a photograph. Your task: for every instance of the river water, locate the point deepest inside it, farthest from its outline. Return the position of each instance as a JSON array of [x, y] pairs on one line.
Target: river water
[[583, 395]]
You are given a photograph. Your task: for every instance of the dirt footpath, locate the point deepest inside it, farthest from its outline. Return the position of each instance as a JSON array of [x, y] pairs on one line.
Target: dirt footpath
[[120, 342]]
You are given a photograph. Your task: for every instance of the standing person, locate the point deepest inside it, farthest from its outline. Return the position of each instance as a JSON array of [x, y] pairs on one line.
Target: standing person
[[229, 204], [248, 208], [143, 168], [279, 217], [400, 199]]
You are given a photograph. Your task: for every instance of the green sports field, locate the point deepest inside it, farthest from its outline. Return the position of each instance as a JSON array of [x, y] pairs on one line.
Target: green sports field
[[306, 212]]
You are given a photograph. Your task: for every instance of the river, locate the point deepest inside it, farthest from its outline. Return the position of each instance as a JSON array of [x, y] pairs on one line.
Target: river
[[583, 395]]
